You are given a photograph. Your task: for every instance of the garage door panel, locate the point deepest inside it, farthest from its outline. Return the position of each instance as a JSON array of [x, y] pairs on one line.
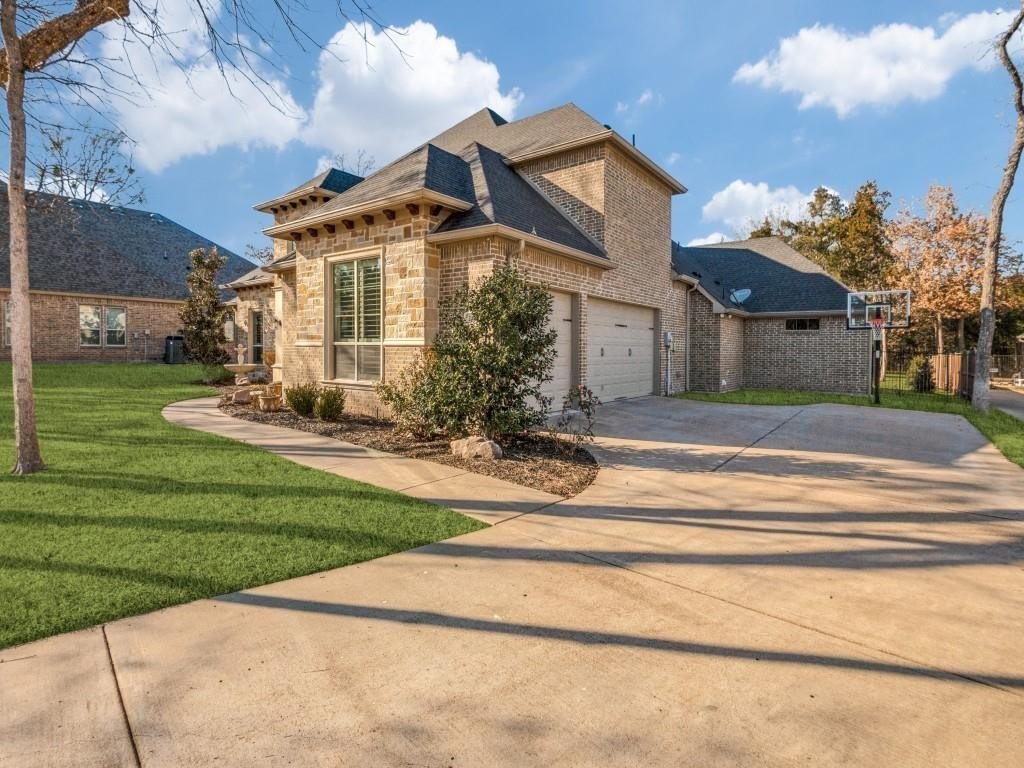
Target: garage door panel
[[561, 372], [620, 349]]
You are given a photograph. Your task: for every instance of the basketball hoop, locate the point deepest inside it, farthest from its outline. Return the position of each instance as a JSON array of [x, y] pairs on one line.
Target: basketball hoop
[[877, 327]]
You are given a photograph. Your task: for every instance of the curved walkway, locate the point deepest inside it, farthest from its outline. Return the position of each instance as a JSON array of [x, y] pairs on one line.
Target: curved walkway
[[479, 496], [741, 585]]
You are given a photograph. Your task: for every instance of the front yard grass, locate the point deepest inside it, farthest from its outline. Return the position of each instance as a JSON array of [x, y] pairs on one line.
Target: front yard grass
[[1005, 431], [134, 514]]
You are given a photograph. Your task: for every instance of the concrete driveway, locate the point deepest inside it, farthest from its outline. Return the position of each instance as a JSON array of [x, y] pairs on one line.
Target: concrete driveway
[[826, 585]]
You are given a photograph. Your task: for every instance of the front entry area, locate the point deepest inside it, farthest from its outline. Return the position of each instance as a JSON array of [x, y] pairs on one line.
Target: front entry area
[[620, 349]]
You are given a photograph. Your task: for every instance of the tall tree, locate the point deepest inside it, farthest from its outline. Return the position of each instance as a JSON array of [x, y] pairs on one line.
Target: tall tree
[[982, 399], [848, 240], [89, 163], [44, 35], [203, 314], [939, 257]]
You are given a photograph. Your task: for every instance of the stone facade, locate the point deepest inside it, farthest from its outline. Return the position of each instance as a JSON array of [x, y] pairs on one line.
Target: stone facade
[[248, 302], [55, 328]]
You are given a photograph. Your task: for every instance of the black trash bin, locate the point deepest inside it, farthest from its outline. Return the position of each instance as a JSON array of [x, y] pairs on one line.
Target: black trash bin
[[174, 350]]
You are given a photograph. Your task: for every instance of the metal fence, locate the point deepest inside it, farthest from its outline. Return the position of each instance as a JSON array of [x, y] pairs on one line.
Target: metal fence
[[947, 375]]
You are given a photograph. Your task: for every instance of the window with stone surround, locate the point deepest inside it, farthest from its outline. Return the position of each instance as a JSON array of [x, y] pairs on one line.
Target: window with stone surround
[[256, 336], [356, 308], [803, 324], [90, 321]]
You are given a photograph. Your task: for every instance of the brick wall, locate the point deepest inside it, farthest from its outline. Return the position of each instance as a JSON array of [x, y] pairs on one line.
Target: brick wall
[[730, 353], [832, 359], [704, 345], [55, 328]]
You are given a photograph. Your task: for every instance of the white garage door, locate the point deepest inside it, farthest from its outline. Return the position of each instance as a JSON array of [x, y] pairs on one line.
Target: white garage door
[[561, 372], [620, 349]]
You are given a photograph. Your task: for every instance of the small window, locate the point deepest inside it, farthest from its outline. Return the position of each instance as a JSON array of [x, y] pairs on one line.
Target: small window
[[90, 321], [7, 324], [117, 326], [256, 331], [802, 324]]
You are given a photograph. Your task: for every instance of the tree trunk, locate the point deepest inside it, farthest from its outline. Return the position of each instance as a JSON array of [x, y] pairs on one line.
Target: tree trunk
[[981, 397], [961, 335], [940, 338], [27, 458]]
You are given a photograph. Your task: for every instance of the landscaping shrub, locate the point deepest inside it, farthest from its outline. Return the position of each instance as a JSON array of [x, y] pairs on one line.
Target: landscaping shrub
[[919, 373], [421, 402], [493, 353], [330, 404], [302, 398], [216, 374], [575, 425]]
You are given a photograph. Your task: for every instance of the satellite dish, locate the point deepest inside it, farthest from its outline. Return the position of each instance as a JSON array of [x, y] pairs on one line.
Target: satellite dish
[[739, 295]]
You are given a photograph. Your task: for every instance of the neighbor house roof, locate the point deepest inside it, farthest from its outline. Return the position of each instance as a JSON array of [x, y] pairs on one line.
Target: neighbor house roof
[[332, 180], [502, 196], [780, 279], [77, 246]]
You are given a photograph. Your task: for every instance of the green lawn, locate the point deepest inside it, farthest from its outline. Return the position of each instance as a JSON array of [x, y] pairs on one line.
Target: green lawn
[[134, 514], [1006, 432]]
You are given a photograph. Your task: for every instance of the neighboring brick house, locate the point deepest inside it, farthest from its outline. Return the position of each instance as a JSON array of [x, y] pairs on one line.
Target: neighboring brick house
[[362, 264], [789, 333], [106, 282]]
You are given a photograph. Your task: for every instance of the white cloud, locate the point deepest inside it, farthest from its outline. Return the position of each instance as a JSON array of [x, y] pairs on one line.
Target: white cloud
[[742, 205], [890, 64], [371, 98], [714, 237], [673, 158], [195, 109], [630, 109]]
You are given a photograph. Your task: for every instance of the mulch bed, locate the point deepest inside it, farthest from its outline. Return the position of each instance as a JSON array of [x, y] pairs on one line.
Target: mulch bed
[[534, 461]]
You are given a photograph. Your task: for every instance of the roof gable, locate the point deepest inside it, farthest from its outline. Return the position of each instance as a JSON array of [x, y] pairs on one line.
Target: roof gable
[[780, 278], [504, 197]]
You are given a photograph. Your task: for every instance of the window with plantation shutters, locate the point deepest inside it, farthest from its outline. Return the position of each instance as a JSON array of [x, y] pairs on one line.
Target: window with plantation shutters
[[357, 319]]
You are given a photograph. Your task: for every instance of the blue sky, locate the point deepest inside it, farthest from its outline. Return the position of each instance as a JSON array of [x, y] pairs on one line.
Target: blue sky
[[835, 104]]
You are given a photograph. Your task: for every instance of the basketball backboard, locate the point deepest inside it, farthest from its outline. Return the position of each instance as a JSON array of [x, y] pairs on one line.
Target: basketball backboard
[[864, 308]]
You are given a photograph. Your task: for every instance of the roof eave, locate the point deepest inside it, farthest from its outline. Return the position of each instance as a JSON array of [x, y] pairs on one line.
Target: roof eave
[[304, 192], [321, 217], [607, 135], [504, 230]]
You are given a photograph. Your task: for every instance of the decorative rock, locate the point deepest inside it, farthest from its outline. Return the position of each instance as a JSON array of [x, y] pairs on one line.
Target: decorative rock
[[476, 447], [241, 397]]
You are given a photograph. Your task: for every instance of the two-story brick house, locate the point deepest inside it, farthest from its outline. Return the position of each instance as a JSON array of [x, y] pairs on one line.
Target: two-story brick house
[[362, 264]]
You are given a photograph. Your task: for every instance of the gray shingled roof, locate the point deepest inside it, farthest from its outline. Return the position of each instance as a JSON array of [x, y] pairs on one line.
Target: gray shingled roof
[[780, 278], [77, 246], [251, 279], [333, 180], [426, 167], [530, 134], [502, 196]]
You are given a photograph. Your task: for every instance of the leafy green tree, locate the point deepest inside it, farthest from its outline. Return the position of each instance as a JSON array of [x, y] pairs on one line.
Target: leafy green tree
[[204, 314], [848, 240], [484, 373]]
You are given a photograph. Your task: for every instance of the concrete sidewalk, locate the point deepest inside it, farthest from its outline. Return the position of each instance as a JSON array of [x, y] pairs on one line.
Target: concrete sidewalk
[[478, 496]]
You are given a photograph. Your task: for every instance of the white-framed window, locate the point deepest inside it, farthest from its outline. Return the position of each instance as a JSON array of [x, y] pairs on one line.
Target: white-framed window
[[117, 327], [6, 337], [256, 336], [90, 324], [102, 326], [357, 319]]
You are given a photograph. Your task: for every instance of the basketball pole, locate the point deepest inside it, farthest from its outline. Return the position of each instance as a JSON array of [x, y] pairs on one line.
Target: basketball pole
[[876, 373]]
